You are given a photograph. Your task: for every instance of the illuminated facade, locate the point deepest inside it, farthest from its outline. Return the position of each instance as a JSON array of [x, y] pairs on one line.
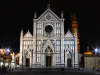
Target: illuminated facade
[[48, 46]]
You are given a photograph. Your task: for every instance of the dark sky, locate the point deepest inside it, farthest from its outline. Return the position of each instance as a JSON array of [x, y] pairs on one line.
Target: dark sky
[[18, 14]]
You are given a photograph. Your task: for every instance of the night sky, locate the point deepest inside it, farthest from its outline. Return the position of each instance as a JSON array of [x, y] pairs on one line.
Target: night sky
[[15, 15]]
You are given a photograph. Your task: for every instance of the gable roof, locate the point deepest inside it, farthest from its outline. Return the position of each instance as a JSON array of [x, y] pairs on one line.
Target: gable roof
[[48, 11], [28, 34], [69, 34]]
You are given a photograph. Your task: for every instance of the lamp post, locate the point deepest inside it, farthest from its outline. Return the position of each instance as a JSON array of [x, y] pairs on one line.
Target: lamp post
[[8, 50], [95, 57]]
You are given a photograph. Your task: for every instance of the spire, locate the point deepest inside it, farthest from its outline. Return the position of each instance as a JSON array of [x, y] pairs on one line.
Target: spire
[[48, 5], [35, 14], [22, 32], [62, 14], [28, 30], [68, 29]]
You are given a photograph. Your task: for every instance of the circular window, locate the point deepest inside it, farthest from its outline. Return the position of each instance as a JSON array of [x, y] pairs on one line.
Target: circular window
[[48, 28]]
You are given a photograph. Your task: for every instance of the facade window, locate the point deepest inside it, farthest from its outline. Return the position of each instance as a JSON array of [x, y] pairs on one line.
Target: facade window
[[69, 43], [38, 58], [39, 29], [57, 58], [57, 30], [38, 45], [57, 46]]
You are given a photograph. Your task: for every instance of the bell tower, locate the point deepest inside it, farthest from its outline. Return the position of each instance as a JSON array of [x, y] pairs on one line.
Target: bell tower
[[74, 25]]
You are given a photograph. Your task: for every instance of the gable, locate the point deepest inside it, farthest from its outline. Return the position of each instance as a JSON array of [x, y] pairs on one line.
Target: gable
[[28, 34], [48, 15], [69, 34]]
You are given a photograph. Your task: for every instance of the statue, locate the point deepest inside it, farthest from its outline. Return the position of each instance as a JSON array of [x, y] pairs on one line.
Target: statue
[[13, 63]]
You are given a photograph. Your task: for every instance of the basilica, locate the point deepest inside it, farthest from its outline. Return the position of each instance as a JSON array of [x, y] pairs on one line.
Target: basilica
[[49, 46]]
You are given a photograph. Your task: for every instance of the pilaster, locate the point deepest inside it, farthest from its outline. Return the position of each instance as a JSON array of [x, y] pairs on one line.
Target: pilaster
[[76, 51], [62, 41]]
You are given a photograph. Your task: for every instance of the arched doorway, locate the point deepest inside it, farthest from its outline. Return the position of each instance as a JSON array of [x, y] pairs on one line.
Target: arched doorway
[[48, 56]]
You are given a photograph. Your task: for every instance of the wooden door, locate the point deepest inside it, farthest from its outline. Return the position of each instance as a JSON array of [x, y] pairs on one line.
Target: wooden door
[[68, 62], [48, 61]]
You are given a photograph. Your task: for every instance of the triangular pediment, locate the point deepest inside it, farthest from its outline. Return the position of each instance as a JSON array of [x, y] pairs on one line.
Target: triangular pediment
[[28, 34], [69, 34], [48, 15]]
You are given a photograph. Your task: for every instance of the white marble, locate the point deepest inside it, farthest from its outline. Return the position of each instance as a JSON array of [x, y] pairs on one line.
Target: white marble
[[28, 42]]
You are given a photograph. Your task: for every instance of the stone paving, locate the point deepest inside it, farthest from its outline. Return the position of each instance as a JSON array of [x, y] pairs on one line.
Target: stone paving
[[49, 72]]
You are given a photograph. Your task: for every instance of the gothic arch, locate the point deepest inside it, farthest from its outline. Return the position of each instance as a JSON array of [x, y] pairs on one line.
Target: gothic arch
[[48, 43]]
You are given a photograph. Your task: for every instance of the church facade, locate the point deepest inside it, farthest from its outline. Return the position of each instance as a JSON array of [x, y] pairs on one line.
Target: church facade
[[48, 46]]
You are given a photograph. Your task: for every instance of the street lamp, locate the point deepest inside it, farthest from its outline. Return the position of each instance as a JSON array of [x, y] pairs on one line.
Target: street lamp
[[96, 50], [8, 50]]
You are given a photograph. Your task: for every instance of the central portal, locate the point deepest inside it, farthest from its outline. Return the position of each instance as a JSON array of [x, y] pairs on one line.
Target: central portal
[[48, 61], [27, 62]]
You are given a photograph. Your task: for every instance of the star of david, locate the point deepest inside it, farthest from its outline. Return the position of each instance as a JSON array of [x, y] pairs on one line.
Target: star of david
[[48, 17]]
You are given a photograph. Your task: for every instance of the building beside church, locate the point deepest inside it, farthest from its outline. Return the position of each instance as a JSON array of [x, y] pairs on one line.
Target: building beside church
[[91, 61], [48, 46]]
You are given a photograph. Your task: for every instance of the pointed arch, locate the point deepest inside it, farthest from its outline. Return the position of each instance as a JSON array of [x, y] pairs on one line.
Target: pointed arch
[[48, 43]]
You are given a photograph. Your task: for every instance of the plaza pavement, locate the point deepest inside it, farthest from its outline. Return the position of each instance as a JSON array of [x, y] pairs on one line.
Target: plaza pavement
[[49, 72]]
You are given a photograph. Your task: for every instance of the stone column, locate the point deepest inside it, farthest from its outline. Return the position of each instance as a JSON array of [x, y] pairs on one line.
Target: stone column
[[62, 40], [31, 59], [55, 51], [65, 59], [76, 51], [62, 51], [43, 59], [34, 52], [72, 56], [21, 48], [41, 51], [55, 29], [53, 59], [24, 60]]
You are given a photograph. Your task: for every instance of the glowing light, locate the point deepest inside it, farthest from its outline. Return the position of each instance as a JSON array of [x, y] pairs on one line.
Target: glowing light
[[8, 50], [88, 53], [96, 50], [1, 50], [6, 64], [11, 54], [1, 63]]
